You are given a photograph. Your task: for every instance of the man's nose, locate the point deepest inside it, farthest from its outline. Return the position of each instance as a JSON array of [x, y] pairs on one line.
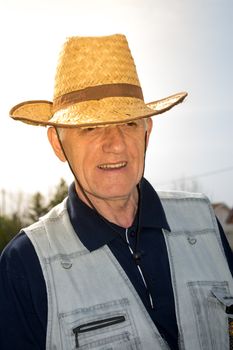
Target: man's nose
[[114, 139]]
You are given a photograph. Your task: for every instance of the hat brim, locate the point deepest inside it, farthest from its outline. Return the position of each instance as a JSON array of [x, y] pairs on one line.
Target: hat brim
[[111, 110]]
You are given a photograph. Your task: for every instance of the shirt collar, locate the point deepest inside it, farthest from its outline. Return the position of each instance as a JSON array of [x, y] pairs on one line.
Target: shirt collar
[[94, 232], [152, 212]]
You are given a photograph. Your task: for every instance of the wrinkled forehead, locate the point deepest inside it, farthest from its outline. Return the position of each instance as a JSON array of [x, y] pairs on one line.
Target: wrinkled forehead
[[137, 121], [93, 126], [62, 131]]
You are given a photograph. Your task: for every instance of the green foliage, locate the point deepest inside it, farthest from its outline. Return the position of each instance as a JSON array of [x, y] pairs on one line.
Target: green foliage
[[61, 191], [10, 225], [37, 207]]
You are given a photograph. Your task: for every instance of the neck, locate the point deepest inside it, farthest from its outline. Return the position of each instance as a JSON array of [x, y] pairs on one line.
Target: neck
[[120, 211]]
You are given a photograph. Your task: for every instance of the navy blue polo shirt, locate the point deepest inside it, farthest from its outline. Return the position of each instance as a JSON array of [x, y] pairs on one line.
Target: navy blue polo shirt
[[23, 299]]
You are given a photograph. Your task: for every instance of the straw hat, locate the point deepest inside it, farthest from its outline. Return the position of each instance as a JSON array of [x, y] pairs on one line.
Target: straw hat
[[96, 83]]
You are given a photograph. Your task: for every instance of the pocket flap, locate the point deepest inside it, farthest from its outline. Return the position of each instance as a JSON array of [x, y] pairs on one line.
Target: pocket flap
[[221, 295]]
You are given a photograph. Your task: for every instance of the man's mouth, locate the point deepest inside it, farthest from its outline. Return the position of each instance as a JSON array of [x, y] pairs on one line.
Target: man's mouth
[[110, 166]]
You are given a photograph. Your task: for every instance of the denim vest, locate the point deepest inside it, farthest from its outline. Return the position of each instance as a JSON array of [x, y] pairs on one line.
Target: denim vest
[[93, 305]]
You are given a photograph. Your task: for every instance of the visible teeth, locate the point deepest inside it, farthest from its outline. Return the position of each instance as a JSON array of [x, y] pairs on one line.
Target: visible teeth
[[112, 166]]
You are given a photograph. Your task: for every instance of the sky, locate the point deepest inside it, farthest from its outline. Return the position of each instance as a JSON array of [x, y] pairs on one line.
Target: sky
[[181, 45]]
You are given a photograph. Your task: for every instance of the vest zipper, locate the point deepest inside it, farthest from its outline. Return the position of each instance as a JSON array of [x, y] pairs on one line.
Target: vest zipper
[[92, 326], [140, 271]]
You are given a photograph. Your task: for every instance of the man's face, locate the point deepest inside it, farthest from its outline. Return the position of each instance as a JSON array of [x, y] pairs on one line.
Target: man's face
[[108, 161]]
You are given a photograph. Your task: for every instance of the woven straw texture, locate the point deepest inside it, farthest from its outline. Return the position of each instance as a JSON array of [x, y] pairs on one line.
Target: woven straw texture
[[84, 64], [90, 61]]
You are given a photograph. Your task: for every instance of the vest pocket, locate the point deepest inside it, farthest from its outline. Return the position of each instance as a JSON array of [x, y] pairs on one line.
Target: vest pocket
[[211, 302], [93, 326], [107, 326]]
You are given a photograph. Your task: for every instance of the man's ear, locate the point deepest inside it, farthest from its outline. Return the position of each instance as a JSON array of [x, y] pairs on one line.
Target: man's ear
[[54, 142], [149, 125]]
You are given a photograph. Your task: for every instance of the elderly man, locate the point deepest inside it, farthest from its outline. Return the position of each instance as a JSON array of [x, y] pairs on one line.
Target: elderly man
[[115, 265]]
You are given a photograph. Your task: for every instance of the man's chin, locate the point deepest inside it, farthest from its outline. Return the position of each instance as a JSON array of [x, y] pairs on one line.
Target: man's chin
[[114, 194], [109, 192]]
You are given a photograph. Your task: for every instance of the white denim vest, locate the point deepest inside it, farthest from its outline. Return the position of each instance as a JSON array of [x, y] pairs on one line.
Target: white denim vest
[[93, 305]]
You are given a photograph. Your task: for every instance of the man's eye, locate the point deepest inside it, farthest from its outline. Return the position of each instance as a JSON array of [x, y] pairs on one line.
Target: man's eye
[[89, 129], [132, 124]]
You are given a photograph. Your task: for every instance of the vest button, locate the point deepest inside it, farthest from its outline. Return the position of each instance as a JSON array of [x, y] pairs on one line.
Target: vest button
[[192, 240], [66, 264]]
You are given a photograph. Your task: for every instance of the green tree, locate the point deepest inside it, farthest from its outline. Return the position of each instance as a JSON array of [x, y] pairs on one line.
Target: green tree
[[61, 191], [9, 226], [37, 207]]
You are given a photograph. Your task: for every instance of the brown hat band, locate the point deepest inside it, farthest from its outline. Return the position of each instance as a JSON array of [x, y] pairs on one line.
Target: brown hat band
[[96, 93]]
